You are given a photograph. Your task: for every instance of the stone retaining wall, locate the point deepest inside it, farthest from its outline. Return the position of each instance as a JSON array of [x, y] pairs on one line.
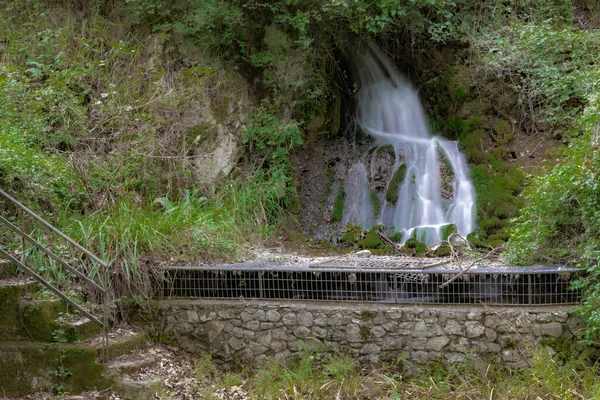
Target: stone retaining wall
[[250, 333]]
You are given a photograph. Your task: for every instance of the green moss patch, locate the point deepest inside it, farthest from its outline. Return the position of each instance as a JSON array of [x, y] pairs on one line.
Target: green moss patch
[[414, 247], [442, 251], [396, 237], [338, 206], [384, 149], [352, 234], [374, 243], [38, 319], [371, 241], [391, 195], [27, 367], [447, 230], [375, 203]]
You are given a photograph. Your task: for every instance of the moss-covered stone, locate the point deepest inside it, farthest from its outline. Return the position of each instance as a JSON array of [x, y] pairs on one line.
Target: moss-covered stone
[[391, 195], [338, 206], [490, 226], [38, 319], [126, 345], [396, 237], [375, 203], [471, 146], [475, 241], [75, 331], [385, 149], [447, 230], [371, 240], [495, 243], [421, 248], [330, 179], [9, 310], [442, 251], [27, 367], [414, 247], [7, 269], [374, 243], [411, 243], [352, 234]]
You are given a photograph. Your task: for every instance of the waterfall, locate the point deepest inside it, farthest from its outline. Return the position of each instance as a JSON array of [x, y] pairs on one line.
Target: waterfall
[[421, 201]]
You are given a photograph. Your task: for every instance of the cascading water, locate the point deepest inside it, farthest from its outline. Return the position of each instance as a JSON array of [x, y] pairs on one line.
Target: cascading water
[[422, 201]]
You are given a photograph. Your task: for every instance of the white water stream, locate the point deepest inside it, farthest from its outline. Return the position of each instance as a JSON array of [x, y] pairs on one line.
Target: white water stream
[[390, 111]]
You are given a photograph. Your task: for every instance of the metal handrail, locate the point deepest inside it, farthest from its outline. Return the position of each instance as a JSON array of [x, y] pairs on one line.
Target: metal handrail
[[50, 254], [53, 256], [52, 228], [48, 285]]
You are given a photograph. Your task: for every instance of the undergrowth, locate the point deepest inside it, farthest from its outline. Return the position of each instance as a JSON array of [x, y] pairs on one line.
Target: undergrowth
[[318, 376]]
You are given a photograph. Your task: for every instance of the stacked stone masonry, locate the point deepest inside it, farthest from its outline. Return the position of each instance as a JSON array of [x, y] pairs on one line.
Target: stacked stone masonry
[[250, 333]]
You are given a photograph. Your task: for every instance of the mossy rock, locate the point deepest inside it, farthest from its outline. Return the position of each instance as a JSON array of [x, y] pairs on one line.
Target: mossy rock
[[471, 147], [396, 237], [490, 226], [447, 230], [442, 251], [7, 269], [330, 175], [421, 248], [391, 195], [124, 346], [501, 235], [411, 243], [27, 367], [496, 243], [371, 241], [9, 310], [375, 203], [352, 234], [475, 241], [39, 319], [384, 149]]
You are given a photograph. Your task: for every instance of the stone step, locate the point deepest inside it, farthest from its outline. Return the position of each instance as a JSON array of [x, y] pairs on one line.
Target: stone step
[[120, 341], [157, 369], [139, 390], [13, 289], [29, 367], [7, 270], [131, 363], [26, 318], [80, 328], [12, 292], [36, 319]]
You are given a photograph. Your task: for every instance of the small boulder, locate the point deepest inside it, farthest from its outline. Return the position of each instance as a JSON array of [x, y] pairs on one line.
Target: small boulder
[[363, 254]]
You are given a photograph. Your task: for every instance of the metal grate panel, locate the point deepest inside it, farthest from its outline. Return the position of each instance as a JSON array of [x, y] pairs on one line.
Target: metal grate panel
[[372, 283]]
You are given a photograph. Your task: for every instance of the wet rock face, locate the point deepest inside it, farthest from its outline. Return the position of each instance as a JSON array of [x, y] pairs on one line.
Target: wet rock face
[[322, 168], [381, 167]]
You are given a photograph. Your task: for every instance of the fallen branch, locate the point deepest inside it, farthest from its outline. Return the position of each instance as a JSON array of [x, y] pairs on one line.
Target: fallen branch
[[464, 271], [382, 236]]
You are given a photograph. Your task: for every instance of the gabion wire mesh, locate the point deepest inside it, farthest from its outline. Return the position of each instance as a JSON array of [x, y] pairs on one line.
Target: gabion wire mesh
[[370, 282]]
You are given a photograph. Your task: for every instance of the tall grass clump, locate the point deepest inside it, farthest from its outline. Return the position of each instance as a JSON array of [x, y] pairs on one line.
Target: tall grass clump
[[215, 226], [319, 376]]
